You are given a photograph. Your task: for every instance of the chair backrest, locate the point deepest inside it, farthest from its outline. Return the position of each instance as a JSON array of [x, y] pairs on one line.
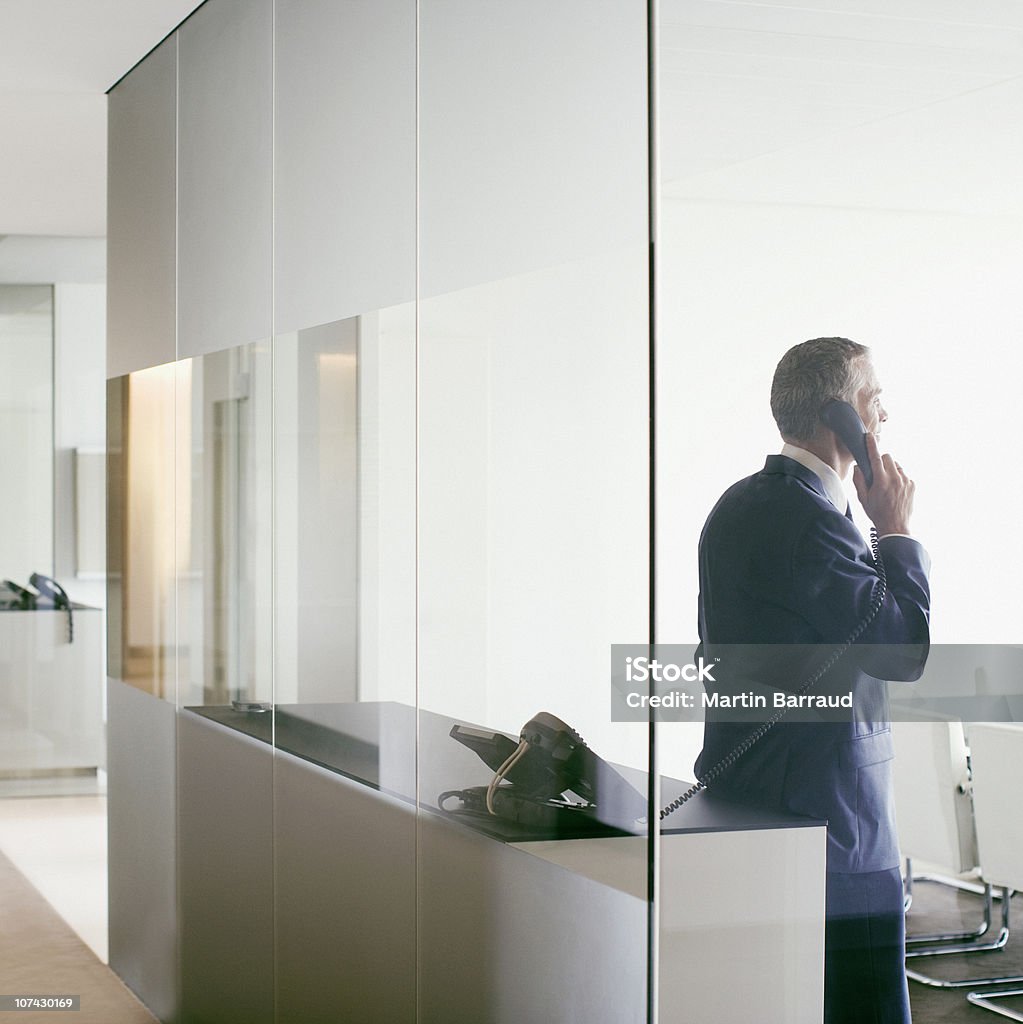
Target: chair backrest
[[932, 802], [996, 756]]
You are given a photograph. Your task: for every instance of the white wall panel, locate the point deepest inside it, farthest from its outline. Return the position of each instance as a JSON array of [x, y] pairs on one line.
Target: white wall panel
[[225, 168], [79, 339], [141, 215], [532, 135], [345, 159]]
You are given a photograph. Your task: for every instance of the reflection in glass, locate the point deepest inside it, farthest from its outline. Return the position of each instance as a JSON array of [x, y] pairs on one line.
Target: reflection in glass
[[141, 528], [387, 505], [189, 473], [316, 410], [117, 398], [344, 538], [223, 500], [344, 464]]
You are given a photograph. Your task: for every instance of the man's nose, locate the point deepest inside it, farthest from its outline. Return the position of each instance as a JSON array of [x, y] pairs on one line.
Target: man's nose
[[883, 414]]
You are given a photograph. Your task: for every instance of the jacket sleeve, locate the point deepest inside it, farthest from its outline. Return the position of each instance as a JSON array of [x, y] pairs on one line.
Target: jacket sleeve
[[835, 582]]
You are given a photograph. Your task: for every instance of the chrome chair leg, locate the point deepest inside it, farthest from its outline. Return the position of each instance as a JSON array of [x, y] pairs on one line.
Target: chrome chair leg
[[969, 938], [954, 883], [976, 947], [985, 1000]]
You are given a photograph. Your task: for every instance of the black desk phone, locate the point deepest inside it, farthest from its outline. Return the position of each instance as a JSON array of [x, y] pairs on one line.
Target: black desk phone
[[550, 779], [47, 593]]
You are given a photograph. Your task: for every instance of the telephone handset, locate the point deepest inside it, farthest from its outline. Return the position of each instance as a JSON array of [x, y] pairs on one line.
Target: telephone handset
[[53, 595], [845, 421], [51, 592]]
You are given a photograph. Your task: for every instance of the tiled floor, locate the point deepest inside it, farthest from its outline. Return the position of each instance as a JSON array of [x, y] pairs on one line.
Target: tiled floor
[[59, 843]]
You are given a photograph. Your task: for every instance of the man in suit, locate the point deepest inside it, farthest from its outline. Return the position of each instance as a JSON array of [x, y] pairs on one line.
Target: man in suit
[[784, 570]]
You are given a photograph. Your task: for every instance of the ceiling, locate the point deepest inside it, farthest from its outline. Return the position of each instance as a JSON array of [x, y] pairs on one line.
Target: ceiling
[[904, 104], [57, 59], [761, 101]]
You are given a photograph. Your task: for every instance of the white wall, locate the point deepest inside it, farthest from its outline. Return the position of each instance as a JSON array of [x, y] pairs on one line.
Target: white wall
[[26, 435], [76, 400], [79, 418]]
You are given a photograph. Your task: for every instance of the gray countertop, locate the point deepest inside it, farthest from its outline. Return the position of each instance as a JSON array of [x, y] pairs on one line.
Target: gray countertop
[[375, 743]]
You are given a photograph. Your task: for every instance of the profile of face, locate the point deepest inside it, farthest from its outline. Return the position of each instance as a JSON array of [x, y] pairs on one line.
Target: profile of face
[[868, 400]]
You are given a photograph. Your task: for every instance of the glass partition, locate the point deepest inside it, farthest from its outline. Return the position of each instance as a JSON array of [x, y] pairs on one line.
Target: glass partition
[[390, 540], [842, 172], [533, 546]]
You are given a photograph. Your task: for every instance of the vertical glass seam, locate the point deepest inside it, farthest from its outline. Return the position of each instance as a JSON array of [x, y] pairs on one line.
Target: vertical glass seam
[[177, 340], [415, 349], [53, 430], [178, 901], [273, 510], [653, 794]]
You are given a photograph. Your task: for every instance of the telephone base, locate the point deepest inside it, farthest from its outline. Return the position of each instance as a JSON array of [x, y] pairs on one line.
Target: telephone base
[[524, 810]]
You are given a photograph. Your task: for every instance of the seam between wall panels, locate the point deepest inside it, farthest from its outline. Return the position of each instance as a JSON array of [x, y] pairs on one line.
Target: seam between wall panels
[[273, 509], [178, 901], [416, 299]]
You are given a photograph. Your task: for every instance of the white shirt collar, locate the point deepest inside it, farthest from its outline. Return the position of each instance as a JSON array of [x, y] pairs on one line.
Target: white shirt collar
[[828, 477]]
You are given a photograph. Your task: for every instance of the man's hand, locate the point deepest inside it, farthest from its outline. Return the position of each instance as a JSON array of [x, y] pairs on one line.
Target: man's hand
[[889, 500]]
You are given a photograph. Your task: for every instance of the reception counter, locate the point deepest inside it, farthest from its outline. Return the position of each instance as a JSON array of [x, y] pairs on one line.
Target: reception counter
[[309, 882], [51, 692]]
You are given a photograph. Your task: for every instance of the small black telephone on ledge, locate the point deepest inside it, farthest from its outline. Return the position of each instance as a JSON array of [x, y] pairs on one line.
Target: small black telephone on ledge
[[48, 593], [549, 780]]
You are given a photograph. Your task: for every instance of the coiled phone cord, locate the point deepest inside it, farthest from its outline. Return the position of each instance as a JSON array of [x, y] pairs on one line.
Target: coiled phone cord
[[880, 590], [510, 762]]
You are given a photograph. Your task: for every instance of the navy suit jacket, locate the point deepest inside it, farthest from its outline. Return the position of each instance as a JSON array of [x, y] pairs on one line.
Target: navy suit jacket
[[780, 565]]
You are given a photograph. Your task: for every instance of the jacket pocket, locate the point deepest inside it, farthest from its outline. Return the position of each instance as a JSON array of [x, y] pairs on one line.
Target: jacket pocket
[[864, 750]]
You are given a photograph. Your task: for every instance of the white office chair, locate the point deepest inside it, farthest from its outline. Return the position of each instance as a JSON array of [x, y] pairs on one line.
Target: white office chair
[[934, 809], [996, 755], [996, 758]]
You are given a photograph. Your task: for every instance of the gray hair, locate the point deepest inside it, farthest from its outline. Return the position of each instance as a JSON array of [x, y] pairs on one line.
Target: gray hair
[[808, 375]]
